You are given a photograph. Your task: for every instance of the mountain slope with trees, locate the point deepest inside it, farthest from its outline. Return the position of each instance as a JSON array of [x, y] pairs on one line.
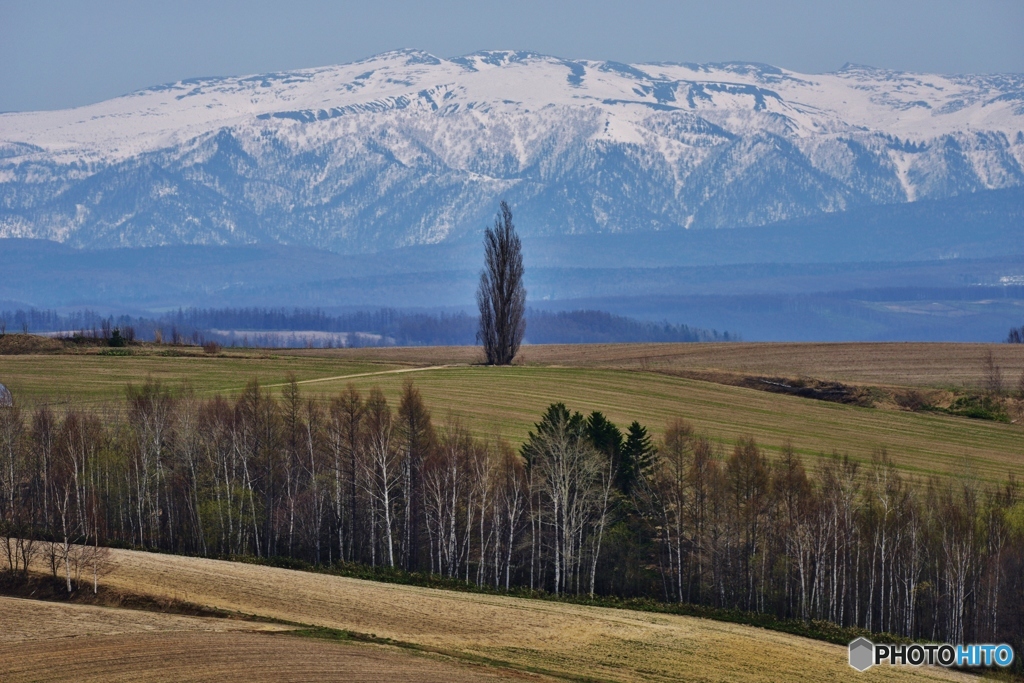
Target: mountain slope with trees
[[405, 148]]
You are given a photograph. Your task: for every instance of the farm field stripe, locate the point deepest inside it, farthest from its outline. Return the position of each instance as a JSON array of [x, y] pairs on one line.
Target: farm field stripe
[[342, 635], [508, 401], [30, 619], [606, 643]]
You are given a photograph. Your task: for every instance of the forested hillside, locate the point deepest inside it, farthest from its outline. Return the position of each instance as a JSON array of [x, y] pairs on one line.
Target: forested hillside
[[407, 148], [583, 508], [306, 327]]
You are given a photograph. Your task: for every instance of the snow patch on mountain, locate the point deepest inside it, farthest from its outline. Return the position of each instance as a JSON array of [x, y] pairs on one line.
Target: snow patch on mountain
[[406, 148]]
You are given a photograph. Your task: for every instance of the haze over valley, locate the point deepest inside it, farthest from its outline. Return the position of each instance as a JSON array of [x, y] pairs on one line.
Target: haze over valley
[[662, 191]]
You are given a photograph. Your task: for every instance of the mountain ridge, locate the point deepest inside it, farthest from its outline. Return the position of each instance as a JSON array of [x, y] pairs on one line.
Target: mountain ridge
[[406, 148]]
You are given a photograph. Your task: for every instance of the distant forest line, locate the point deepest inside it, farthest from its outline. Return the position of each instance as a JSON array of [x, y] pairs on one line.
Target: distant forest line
[[313, 327]]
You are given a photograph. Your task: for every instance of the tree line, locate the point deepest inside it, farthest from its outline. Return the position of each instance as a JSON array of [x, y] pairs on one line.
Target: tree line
[[257, 327], [582, 508]]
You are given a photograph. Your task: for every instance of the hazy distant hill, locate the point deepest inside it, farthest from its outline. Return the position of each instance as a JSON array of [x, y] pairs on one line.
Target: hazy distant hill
[[933, 269]]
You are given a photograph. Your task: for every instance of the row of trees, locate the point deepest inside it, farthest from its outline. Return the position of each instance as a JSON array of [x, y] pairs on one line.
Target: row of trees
[[276, 328], [581, 508]]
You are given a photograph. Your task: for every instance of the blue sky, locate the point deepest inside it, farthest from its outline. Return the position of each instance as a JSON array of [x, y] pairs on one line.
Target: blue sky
[[56, 54]]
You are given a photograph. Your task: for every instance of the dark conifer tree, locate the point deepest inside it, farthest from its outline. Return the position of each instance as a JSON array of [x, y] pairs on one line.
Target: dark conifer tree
[[637, 457], [556, 417], [604, 435]]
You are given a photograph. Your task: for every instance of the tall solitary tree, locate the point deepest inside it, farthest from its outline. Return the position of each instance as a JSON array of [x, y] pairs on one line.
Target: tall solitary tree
[[501, 297]]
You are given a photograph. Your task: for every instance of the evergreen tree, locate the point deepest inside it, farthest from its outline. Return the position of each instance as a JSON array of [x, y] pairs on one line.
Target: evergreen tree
[[637, 457], [604, 435], [554, 417]]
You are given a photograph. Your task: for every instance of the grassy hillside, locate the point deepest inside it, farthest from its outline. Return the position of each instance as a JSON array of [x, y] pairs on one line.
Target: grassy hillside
[[651, 383], [508, 401], [96, 378], [566, 641], [424, 634]]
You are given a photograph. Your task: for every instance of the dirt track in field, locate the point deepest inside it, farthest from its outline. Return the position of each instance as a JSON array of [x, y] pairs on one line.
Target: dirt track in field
[[44, 641], [607, 644]]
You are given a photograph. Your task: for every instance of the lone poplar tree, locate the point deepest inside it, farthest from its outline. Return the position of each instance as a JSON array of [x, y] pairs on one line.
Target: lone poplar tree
[[501, 297]]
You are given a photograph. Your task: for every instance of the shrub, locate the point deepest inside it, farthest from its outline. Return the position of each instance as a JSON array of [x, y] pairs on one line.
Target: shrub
[[979, 408], [911, 400], [211, 347]]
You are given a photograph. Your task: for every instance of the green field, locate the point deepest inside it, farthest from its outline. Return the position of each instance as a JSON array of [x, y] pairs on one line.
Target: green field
[[507, 401], [95, 378], [621, 380]]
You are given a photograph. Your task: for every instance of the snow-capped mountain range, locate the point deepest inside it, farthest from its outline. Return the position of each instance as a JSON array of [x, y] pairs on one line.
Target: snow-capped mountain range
[[405, 148]]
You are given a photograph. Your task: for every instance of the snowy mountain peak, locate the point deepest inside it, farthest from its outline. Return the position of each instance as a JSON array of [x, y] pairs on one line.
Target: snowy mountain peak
[[327, 156]]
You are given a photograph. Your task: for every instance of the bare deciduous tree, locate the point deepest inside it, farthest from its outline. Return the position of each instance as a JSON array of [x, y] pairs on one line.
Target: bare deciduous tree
[[346, 438], [445, 487], [502, 297], [993, 375], [512, 493], [570, 469], [382, 471], [417, 438], [97, 560], [875, 549]]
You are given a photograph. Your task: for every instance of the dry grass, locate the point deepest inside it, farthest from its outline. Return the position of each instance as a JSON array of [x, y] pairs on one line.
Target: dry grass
[[97, 378], [25, 620], [906, 365], [42, 641], [11, 344], [46, 375], [569, 640], [884, 364]]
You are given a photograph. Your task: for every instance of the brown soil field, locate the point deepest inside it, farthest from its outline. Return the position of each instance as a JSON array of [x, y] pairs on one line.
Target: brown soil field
[[25, 620], [225, 656], [909, 364], [45, 641], [545, 637]]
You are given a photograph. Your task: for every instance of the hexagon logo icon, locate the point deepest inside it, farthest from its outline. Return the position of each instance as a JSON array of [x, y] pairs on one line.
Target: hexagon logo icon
[[862, 654]]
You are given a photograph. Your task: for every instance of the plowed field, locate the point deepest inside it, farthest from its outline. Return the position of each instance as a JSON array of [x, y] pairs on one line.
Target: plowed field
[[563, 640], [65, 642]]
